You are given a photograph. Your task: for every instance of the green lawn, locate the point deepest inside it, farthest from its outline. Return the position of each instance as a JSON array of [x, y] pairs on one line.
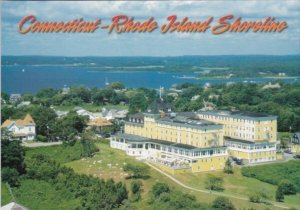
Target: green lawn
[[59, 153], [236, 184], [5, 195], [108, 164], [276, 172]]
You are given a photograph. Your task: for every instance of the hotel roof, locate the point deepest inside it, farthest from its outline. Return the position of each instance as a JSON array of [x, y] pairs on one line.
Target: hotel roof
[[139, 139], [247, 141], [239, 114], [188, 119], [181, 119]]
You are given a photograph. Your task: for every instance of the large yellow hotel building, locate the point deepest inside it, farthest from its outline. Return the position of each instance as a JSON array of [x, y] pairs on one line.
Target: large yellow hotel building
[[200, 141], [175, 140], [248, 136]]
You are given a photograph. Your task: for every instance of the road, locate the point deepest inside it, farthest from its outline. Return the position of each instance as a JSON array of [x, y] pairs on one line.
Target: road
[[208, 191], [40, 144]]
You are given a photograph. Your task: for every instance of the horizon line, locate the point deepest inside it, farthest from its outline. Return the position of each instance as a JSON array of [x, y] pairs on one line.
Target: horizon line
[[152, 55]]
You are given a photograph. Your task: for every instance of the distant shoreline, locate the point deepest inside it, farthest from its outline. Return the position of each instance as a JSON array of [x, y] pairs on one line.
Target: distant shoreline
[[224, 77], [287, 77]]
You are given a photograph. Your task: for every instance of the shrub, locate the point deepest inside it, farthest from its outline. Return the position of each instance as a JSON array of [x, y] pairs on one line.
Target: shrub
[[136, 197], [222, 203], [42, 138], [160, 188], [287, 187], [279, 195], [136, 186], [228, 167], [214, 183], [164, 197], [259, 197], [255, 198], [137, 171], [136, 190], [11, 176]]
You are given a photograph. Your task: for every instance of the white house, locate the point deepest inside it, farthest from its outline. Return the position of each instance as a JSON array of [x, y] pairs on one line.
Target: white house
[[14, 98], [91, 115], [271, 86], [114, 113], [194, 98], [24, 103], [22, 129], [65, 90]]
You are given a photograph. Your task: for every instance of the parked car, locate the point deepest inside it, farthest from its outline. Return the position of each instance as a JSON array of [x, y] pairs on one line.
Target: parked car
[[288, 151], [297, 156]]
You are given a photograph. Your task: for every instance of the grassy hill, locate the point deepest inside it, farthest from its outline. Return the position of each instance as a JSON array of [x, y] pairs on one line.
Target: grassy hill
[[108, 163]]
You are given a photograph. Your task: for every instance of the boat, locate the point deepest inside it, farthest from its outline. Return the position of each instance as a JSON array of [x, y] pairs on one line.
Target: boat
[[106, 82]]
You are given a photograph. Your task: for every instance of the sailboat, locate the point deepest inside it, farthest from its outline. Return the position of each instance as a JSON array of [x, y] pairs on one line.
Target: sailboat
[[106, 81]]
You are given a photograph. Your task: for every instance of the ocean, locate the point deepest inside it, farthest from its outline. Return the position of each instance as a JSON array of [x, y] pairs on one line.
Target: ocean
[[29, 77]]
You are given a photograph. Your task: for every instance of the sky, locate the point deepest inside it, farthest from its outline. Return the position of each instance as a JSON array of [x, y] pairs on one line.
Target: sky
[[102, 43]]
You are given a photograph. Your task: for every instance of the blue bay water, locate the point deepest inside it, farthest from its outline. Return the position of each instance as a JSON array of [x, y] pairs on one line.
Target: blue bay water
[[31, 78]]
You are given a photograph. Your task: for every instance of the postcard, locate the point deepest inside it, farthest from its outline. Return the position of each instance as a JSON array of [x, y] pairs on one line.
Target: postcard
[[157, 105]]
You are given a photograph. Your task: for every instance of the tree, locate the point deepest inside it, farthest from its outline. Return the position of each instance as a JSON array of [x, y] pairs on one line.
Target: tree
[[98, 97], [41, 167], [137, 171], [117, 85], [12, 159], [137, 103], [11, 176], [80, 92], [213, 182], [228, 167], [222, 203], [181, 201], [88, 147], [27, 97], [5, 97], [136, 186], [70, 126], [107, 130], [6, 134], [12, 155], [279, 194], [159, 188], [136, 190], [7, 112], [44, 118], [287, 187], [47, 93], [121, 192]]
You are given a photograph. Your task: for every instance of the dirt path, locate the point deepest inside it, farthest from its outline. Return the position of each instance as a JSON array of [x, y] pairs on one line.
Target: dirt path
[[40, 144], [207, 191]]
